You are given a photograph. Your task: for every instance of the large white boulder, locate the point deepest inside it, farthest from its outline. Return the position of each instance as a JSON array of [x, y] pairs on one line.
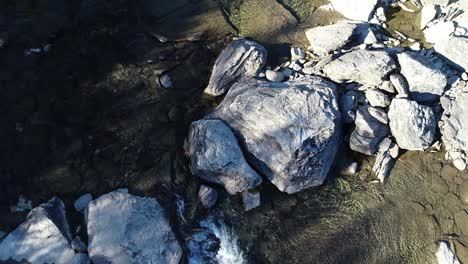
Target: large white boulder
[[290, 131], [43, 238], [355, 9], [123, 228]]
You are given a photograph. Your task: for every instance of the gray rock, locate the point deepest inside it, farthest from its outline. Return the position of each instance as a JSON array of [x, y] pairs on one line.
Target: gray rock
[[384, 163], [425, 82], [83, 201], [123, 228], [216, 156], [413, 126], [242, 58], [297, 53], [290, 131], [349, 101], [455, 49], [349, 168], [208, 196], [365, 145], [274, 76], [454, 126], [361, 66], [326, 39], [369, 126], [165, 81], [251, 199], [400, 84], [377, 98], [43, 238]]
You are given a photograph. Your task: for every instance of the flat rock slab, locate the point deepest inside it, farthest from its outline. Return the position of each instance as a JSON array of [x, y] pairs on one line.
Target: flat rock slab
[[215, 156], [425, 82], [326, 39], [454, 126], [362, 66], [123, 228], [290, 131], [242, 58], [412, 125], [43, 238]]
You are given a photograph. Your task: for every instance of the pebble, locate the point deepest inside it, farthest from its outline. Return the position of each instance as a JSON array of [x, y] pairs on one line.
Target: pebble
[[416, 46], [165, 81], [274, 76], [251, 199], [464, 76], [261, 75], [82, 202], [459, 164], [297, 67], [297, 53]]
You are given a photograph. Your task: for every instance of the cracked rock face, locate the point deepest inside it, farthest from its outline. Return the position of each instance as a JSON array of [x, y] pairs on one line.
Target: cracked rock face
[[290, 131], [425, 82], [454, 126], [242, 58], [43, 238], [361, 66], [326, 39], [412, 125], [123, 228], [215, 156]]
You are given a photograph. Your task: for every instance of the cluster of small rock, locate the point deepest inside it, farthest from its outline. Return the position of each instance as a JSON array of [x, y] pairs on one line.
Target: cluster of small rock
[[121, 228], [270, 124]]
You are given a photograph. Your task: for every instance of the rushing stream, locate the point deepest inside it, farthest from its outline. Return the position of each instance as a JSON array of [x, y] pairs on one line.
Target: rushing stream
[[215, 243]]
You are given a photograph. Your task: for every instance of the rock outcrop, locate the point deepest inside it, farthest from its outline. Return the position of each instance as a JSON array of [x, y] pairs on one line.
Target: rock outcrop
[[412, 125], [454, 126], [290, 131], [43, 238], [123, 228], [426, 83], [216, 156], [362, 66], [242, 58]]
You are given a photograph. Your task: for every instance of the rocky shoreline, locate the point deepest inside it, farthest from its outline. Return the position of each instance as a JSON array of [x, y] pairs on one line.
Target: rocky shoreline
[[362, 98]]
